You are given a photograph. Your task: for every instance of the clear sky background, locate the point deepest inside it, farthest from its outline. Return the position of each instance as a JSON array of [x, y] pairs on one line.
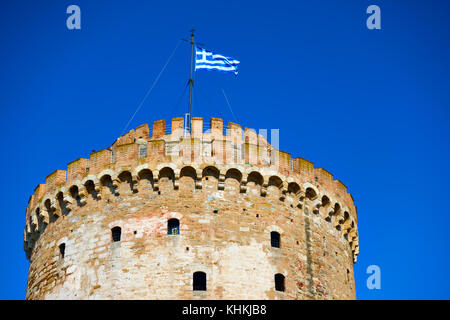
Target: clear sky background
[[370, 106]]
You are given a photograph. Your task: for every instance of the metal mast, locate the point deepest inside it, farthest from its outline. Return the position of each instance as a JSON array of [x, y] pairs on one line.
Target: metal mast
[[191, 81]]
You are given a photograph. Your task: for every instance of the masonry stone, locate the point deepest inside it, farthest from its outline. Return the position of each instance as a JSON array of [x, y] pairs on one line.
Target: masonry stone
[[228, 191]]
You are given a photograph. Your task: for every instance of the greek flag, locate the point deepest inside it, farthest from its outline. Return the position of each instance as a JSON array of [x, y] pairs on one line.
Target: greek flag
[[208, 60]]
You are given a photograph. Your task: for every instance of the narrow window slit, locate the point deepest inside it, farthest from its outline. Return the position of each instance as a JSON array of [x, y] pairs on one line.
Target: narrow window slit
[[199, 283], [62, 250], [116, 234]]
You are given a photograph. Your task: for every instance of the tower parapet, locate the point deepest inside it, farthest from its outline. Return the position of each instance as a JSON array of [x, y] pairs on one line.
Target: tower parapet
[[165, 169]]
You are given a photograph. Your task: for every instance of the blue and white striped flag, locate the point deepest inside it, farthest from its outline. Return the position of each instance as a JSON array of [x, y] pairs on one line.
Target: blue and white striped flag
[[208, 60]]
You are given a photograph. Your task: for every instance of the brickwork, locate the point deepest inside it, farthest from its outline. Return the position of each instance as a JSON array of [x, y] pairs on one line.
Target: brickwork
[[228, 192]]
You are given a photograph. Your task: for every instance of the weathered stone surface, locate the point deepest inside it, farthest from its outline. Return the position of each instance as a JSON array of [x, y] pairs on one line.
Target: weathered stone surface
[[228, 195]]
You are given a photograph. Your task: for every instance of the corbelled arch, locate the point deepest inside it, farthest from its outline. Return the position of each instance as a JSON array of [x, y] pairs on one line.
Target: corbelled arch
[[233, 179], [145, 178], [255, 182], [166, 179], [107, 185], [188, 178], [126, 181], [211, 177], [275, 186]]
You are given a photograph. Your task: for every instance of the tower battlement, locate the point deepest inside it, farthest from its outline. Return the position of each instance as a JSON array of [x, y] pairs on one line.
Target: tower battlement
[[150, 176]]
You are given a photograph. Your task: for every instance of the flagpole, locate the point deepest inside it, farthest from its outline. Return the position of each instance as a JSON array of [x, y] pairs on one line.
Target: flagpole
[[191, 81]]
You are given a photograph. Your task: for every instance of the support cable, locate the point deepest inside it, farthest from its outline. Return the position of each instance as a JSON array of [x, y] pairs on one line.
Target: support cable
[[229, 106], [151, 88]]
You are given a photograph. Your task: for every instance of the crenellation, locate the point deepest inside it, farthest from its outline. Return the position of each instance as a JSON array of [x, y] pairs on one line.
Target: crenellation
[[39, 192], [250, 136], [142, 132], [159, 129], [177, 128], [98, 161], [324, 176], [197, 127], [341, 187], [216, 128], [77, 168], [262, 138], [55, 179], [125, 154], [125, 139], [303, 166], [281, 160], [234, 133]]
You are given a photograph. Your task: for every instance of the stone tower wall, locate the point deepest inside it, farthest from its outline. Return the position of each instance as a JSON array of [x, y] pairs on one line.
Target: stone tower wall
[[228, 191]]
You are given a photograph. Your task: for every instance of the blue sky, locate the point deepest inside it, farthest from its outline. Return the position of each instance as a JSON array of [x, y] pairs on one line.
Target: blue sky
[[370, 106]]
